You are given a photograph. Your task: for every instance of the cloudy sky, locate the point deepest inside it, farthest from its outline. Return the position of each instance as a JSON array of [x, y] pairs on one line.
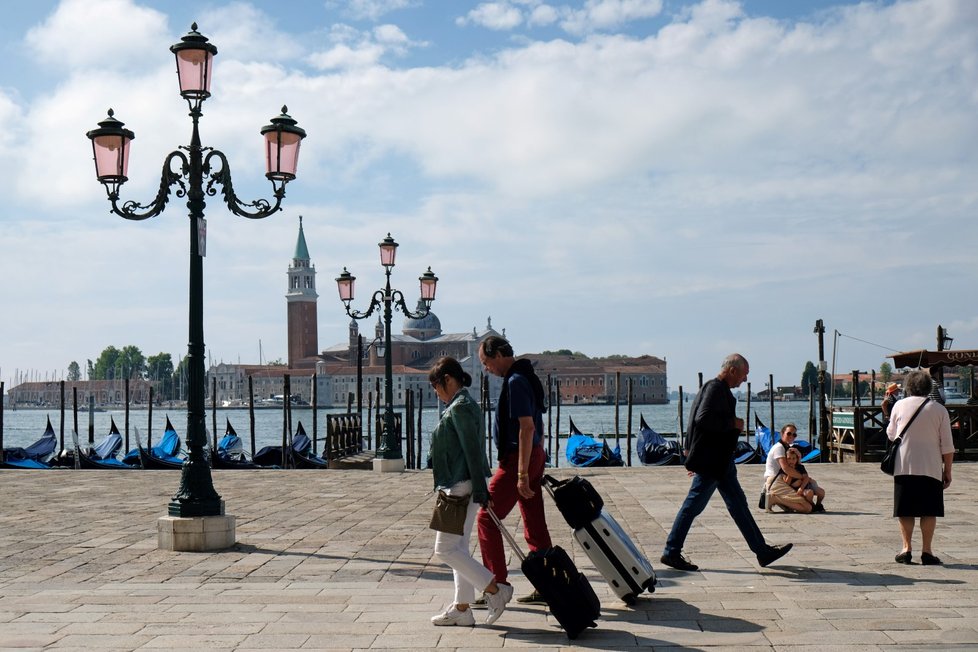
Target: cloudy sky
[[677, 178]]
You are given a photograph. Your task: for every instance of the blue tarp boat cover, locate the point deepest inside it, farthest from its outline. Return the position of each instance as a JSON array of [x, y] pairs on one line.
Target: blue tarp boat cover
[[654, 449], [583, 450], [108, 447], [166, 450]]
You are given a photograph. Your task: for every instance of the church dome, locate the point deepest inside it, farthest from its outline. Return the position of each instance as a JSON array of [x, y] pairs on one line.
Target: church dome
[[425, 328]]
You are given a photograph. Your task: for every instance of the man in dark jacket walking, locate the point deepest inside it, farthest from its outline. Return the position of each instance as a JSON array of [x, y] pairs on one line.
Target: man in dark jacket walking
[[714, 429]]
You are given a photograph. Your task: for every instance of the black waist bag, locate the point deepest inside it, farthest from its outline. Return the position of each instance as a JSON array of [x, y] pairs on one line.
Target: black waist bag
[[577, 500]]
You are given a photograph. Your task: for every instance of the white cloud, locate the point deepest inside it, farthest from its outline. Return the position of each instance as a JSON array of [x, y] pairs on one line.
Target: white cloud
[[493, 15], [374, 9], [600, 15], [99, 33], [352, 48], [245, 32], [542, 15]]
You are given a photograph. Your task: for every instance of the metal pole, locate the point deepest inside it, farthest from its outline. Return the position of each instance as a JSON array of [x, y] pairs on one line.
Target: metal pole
[[823, 417], [196, 496], [390, 448]]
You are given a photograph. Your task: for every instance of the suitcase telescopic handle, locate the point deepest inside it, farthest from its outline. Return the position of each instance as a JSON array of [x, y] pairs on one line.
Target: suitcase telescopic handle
[[506, 534], [549, 483]]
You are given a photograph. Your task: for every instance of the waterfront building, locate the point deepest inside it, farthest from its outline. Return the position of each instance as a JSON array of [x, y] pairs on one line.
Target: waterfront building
[[599, 380]]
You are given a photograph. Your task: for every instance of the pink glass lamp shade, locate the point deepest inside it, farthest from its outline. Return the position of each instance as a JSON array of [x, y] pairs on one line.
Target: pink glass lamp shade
[[388, 251], [110, 145], [195, 57], [344, 283], [282, 140]]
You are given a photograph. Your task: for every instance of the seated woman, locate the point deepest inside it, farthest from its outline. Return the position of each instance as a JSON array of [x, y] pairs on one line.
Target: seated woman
[[777, 492]]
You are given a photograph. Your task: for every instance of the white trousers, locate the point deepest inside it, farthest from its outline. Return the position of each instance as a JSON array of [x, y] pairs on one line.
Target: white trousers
[[453, 551]]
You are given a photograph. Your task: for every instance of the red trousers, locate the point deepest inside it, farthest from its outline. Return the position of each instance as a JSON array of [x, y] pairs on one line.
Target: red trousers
[[504, 496]]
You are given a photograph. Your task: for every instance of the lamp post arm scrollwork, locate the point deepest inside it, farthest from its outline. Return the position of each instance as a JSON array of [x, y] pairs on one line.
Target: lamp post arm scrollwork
[[263, 208], [131, 210]]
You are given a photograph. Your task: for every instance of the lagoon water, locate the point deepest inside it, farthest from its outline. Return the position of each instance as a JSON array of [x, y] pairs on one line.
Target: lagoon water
[[23, 426]]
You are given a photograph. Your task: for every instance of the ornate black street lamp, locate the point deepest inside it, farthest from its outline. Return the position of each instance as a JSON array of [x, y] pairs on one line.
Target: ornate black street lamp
[[187, 168], [390, 444]]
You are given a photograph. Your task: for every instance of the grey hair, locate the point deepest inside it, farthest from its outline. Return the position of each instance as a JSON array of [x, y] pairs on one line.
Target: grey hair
[[734, 361], [918, 383]]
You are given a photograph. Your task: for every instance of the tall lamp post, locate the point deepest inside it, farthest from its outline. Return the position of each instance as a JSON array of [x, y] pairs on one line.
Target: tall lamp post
[[188, 168], [390, 443]]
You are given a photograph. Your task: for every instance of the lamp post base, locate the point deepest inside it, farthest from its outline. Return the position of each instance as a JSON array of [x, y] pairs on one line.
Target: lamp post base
[[196, 534], [382, 465]]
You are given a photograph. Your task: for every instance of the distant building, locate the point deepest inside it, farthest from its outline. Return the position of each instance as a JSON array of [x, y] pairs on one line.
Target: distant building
[[598, 380], [106, 393]]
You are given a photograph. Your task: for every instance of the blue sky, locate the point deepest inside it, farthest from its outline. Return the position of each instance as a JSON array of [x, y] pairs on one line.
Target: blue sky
[[683, 179]]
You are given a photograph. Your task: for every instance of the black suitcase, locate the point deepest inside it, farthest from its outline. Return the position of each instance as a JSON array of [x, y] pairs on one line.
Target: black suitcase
[[552, 573]]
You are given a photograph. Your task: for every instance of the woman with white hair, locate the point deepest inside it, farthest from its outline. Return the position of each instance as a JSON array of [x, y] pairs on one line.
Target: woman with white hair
[[923, 464]]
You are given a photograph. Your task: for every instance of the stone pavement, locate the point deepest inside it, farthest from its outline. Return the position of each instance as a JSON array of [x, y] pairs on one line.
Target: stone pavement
[[341, 560]]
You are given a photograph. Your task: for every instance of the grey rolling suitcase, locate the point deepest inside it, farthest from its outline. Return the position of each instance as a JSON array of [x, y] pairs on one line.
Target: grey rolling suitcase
[[616, 557]]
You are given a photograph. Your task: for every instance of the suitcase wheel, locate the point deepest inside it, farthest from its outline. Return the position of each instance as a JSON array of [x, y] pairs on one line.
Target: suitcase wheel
[[629, 599], [649, 585]]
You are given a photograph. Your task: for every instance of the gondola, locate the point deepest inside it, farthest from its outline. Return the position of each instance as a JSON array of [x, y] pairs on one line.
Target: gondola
[[744, 453], [230, 452], [298, 454], [584, 450], [103, 455], [655, 450], [35, 456], [163, 456]]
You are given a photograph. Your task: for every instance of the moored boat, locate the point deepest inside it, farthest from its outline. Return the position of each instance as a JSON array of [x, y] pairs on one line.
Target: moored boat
[[655, 450], [163, 456], [230, 451], [584, 450], [35, 456]]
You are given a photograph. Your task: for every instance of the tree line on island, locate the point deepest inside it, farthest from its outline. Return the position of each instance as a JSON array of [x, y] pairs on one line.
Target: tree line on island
[[129, 363]]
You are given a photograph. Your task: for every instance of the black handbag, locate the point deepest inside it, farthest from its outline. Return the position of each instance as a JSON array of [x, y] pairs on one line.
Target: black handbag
[[450, 513], [888, 464]]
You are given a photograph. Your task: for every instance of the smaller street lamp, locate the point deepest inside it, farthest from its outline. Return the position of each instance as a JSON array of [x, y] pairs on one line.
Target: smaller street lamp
[[390, 444]]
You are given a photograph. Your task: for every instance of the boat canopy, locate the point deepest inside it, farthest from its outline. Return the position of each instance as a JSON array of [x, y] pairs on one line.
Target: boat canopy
[[924, 358]]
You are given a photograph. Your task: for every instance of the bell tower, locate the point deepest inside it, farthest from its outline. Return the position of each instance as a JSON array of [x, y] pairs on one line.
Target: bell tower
[[301, 304]]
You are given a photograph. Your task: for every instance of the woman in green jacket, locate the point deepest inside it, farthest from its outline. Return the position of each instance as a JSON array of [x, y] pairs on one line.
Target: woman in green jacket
[[458, 461]]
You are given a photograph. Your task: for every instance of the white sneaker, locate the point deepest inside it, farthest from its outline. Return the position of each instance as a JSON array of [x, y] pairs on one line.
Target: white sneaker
[[496, 602], [454, 617]]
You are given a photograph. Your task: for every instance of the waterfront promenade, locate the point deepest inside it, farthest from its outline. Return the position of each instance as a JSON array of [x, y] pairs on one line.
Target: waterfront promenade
[[341, 560]]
